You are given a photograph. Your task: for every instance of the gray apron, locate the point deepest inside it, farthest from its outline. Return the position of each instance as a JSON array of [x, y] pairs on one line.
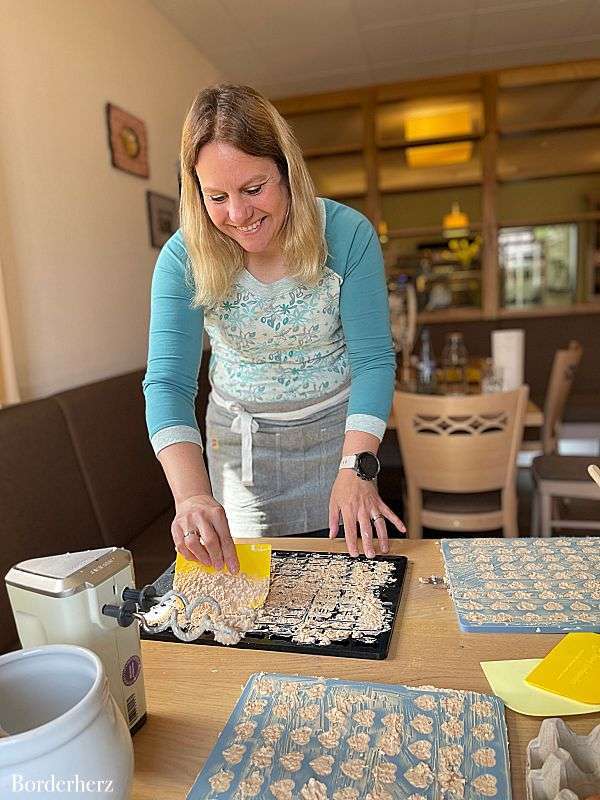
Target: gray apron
[[294, 465]]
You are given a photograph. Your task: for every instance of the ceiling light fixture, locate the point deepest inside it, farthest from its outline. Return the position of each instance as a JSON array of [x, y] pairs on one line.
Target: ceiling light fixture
[[456, 223], [438, 122]]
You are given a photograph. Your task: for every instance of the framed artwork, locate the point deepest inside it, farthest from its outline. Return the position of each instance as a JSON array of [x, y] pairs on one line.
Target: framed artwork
[[128, 141], [163, 217]]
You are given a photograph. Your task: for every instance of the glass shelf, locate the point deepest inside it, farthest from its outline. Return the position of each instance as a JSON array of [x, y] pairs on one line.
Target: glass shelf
[[334, 129], [552, 104], [408, 121], [339, 176], [547, 154], [396, 174]]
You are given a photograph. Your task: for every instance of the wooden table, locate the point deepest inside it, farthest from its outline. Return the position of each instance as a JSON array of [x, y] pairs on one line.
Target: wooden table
[[534, 417], [192, 689]]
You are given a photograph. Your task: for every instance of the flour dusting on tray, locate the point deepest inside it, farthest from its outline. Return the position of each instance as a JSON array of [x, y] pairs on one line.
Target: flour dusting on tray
[[318, 598]]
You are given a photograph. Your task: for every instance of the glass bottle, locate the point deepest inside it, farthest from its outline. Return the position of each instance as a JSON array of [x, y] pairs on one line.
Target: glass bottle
[[454, 364], [491, 377], [426, 376], [403, 316]]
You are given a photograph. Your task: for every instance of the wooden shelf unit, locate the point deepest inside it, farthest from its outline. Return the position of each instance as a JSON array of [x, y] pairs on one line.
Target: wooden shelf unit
[[489, 88], [546, 127], [402, 144]]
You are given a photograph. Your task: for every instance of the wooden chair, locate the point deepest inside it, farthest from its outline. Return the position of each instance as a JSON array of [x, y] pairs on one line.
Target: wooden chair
[[562, 478], [460, 456], [564, 366], [562, 374]]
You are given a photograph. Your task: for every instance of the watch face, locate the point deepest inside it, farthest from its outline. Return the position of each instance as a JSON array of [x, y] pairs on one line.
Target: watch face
[[368, 466]]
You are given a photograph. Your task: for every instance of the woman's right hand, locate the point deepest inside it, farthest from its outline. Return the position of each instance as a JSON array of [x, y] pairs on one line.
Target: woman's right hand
[[214, 545]]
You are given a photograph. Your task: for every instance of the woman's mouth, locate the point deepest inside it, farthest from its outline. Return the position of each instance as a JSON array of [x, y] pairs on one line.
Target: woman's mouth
[[249, 229]]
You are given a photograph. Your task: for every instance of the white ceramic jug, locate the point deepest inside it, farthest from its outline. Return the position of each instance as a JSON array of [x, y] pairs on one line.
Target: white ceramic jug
[[67, 738]]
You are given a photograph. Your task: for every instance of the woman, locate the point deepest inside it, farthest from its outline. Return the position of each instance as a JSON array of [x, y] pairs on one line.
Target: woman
[[290, 289]]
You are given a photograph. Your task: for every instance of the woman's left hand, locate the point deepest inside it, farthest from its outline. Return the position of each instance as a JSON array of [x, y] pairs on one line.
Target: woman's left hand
[[360, 506]]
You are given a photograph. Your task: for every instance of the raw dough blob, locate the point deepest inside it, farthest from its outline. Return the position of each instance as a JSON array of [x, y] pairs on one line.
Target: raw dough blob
[[422, 723], [292, 761], [301, 736], [263, 756], [234, 754], [322, 765], [484, 757], [282, 790], [421, 749], [245, 730], [353, 769], [486, 785], [314, 790], [251, 786], [272, 733], [237, 596], [420, 776], [221, 781], [348, 793], [358, 742]]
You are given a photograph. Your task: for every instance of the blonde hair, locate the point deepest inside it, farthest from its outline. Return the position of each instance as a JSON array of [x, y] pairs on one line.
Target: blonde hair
[[243, 118]]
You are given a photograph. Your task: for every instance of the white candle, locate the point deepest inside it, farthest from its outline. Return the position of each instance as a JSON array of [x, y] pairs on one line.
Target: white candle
[[508, 353]]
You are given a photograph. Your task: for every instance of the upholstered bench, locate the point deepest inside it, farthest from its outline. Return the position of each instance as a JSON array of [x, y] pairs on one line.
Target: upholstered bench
[[77, 472]]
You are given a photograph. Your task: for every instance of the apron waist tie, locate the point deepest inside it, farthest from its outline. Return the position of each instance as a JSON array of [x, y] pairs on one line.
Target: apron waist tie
[[245, 424]]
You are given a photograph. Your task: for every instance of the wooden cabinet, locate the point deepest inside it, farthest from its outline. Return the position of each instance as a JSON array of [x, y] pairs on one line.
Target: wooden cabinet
[[514, 147]]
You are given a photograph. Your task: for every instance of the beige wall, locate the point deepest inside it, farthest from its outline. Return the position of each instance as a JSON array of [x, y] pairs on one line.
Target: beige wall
[[73, 230]]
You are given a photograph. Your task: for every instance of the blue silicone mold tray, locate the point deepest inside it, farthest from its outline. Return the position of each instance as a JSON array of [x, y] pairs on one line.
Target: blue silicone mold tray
[[297, 738], [524, 585]]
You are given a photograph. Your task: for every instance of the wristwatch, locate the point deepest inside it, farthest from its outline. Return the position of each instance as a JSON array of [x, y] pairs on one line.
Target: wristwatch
[[366, 465]]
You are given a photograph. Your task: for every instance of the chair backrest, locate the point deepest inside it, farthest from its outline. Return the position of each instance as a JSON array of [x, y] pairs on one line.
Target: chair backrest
[[557, 393], [460, 444]]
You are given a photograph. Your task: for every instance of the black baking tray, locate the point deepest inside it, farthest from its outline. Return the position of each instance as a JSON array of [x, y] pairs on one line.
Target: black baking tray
[[390, 596]]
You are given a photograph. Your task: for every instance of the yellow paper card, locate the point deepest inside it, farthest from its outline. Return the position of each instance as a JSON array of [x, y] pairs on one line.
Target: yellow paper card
[[571, 669], [507, 681]]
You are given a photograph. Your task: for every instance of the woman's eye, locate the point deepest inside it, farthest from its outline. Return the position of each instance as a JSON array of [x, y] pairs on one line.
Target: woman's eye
[[220, 198]]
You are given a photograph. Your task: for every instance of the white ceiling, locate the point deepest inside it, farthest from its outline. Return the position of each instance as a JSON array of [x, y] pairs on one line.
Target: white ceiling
[[291, 47]]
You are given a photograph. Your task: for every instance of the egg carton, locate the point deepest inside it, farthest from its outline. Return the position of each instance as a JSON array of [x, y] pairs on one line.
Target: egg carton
[[562, 765]]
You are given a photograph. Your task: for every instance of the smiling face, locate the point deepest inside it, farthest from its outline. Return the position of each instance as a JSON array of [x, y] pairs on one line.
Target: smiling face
[[245, 196]]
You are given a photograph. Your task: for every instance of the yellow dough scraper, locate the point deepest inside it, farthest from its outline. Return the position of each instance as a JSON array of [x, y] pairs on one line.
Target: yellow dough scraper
[[255, 563], [571, 668]]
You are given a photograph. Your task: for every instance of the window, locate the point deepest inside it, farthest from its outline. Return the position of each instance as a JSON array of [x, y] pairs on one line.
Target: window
[[539, 265]]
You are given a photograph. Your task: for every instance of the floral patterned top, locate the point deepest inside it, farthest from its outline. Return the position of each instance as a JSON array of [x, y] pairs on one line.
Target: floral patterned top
[[275, 346]]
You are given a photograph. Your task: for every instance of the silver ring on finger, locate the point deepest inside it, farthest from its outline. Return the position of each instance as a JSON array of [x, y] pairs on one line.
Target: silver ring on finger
[[376, 517], [192, 533]]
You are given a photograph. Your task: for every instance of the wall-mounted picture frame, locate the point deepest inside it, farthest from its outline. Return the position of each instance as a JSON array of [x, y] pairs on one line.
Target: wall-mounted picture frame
[[163, 217], [128, 141]]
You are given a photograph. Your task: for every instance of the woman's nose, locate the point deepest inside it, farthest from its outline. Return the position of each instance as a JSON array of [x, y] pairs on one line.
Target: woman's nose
[[239, 211]]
